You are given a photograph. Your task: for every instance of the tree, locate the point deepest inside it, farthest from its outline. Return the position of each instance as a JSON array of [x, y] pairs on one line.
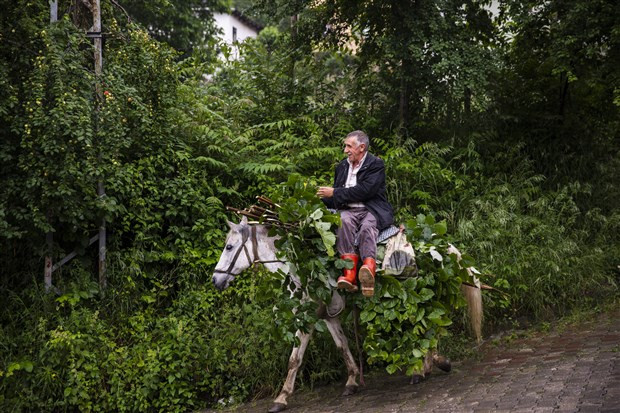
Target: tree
[[421, 63], [56, 147], [559, 89], [183, 24]]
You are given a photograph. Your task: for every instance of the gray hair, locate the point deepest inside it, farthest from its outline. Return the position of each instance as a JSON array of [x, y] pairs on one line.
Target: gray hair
[[360, 137]]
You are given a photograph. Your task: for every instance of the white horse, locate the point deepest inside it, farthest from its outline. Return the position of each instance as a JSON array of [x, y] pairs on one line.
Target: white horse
[[249, 244]]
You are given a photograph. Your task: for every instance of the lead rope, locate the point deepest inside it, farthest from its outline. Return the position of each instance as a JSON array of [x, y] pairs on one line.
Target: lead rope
[[356, 316]]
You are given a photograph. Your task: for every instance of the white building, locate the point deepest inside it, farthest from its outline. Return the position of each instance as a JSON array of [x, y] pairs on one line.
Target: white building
[[235, 29], [494, 8]]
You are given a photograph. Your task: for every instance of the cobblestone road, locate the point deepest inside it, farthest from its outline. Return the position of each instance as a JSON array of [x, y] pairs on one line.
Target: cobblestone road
[[576, 369]]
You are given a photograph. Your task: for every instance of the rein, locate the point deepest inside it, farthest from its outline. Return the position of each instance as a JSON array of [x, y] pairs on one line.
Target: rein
[[247, 232]]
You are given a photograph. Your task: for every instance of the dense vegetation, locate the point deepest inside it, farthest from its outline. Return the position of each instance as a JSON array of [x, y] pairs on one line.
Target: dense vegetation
[[507, 128]]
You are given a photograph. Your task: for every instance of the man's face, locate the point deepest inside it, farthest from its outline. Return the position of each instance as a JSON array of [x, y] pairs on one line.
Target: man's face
[[354, 150]]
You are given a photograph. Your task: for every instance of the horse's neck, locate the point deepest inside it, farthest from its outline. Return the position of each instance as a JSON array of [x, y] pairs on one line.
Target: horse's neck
[[267, 252]]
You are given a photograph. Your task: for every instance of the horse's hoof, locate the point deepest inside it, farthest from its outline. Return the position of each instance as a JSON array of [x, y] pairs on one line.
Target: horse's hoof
[[443, 364], [349, 390], [416, 379], [277, 407]]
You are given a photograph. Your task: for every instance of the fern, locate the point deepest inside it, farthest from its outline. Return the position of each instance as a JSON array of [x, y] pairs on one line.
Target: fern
[[260, 168], [211, 162]]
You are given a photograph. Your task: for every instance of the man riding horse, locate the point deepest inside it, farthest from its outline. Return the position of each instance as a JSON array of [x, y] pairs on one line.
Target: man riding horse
[[359, 196]]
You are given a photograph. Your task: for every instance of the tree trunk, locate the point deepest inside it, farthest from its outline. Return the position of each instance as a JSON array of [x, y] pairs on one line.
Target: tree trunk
[[47, 276], [403, 106], [563, 94], [467, 103]]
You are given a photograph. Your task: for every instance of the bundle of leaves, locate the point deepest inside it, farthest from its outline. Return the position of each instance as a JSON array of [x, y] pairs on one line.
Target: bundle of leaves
[[306, 242], [404, 319]]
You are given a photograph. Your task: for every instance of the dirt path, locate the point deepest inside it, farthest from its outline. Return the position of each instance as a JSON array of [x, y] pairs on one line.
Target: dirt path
[[576, 369]]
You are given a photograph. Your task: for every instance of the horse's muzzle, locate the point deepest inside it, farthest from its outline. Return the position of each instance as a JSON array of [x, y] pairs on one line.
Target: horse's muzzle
[[221, 281]]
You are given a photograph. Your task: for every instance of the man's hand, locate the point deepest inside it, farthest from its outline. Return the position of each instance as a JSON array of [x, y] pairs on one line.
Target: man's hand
[[325, 192]]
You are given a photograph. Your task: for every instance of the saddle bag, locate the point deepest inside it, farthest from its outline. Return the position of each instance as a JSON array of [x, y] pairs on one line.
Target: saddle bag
[[399, 257]]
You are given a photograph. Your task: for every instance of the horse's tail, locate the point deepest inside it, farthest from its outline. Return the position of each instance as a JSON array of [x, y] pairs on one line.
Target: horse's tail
[[473, 296]]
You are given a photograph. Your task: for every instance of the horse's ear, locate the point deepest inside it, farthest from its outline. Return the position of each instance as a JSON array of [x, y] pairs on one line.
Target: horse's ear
[[244, 220], [231, 225]]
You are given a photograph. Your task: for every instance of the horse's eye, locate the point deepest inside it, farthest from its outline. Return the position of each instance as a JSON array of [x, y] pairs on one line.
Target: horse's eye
[[229, 247]]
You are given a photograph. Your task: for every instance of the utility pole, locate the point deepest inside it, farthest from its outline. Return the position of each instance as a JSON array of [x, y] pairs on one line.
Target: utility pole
[[53, 11], [49, 236], [47, 275], [96, 34]]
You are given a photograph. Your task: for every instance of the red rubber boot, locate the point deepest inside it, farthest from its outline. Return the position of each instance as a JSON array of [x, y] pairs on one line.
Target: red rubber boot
[[348, 281], [367, 277]]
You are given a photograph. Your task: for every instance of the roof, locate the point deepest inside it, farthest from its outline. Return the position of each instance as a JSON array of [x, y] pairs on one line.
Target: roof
[[245, 19]]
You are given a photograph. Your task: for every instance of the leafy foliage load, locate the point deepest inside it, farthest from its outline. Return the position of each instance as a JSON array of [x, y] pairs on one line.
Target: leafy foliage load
[[306, 242], [403, 320]]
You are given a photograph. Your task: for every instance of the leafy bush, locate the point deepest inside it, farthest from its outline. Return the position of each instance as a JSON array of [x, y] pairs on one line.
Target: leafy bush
[[530, 241], [193, 354]]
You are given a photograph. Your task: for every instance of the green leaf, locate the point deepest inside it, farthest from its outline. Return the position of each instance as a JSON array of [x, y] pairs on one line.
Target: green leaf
[[148, 298], [321, 326], [392, 368], [27, 366], [367, 316], [436, 313], [328, 237], [341, 264], [417, 353], [443, 321], [440, 228], [317, 214]]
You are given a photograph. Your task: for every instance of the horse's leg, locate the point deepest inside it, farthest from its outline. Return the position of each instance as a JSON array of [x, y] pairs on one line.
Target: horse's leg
[[432, 358], [294, 362], [335, 328], [441, 362], [427, 367]]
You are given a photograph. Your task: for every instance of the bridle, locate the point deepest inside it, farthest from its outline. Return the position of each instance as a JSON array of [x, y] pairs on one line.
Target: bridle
[[247, 232]]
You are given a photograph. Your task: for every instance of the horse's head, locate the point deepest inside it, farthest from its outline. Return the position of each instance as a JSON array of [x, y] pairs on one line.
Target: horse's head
[[236, 255]]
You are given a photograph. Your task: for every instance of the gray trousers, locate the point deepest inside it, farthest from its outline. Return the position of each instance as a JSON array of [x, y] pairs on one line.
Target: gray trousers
[[361, 223]]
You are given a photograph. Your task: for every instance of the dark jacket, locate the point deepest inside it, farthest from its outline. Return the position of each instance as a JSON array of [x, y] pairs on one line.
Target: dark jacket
[[370, 189]]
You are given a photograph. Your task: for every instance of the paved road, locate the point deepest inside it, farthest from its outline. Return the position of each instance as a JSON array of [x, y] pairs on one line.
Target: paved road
[[576, 369]]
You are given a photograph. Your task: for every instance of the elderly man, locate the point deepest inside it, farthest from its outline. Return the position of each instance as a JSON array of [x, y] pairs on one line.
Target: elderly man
[[359, 195]]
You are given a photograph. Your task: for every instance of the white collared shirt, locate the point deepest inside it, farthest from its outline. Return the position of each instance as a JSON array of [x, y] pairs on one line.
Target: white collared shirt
[[352, 179]]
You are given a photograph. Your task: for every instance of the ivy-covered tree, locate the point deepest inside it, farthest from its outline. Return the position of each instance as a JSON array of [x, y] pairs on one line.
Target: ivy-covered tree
[[56, 146]]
